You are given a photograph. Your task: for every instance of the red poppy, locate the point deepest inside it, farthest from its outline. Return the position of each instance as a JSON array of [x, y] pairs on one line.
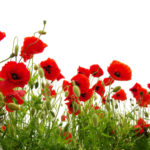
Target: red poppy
[[14, 75], [120, 71], [120, 95], [84, 71], [63, 118], [14, 94], [108, 81], [70, 108], [148, 85], [141, 95], [104, 99], [96, 107], [96, 70], [31, 46], [51, 70], [99, 88], [66, 85], [68, 136], [86, 95], [60, 76], [3, 128], [82, 82], [49, 92], [2, 35]]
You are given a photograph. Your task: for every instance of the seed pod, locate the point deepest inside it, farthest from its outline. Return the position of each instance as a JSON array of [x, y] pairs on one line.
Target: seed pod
[[76, 90], [117, 88], [13, 106], [36, 67], [41, 72], [94, 120]]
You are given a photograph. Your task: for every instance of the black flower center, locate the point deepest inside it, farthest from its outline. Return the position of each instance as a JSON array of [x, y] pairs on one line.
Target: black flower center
[[117, 74], [77, 83], [83, 95], [70, 106], [47, 68], [14, 76], [134, 90], [97, 88]]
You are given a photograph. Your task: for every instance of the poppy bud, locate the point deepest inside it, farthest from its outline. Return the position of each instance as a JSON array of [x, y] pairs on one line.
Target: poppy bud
[[107, 107], [32, 112], [36, 85], [48, 106], [12, 55], [16, 50], [94, 120], [52, 113], [117, 88], [41, 72], [13, 106], [36, 67], [146, 114], [116, 106], [75, 107], [42, 85], [44, 22], [66, 93], [76, 90]]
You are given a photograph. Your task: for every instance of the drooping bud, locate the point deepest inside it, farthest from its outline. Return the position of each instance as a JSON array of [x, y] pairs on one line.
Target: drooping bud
[[76, 90], [13, 106], [41, 72], [94, 120], [117, 88], [36, 67], [16, 50]]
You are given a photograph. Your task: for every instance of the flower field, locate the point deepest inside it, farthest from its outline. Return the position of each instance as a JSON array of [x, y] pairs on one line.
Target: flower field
[[41, 110]]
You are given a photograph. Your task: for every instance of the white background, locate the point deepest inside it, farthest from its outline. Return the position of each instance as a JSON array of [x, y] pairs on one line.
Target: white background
[[83, 32]]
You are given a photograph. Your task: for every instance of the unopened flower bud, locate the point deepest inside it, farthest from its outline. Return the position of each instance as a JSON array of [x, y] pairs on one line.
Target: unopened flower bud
[[94, 120], [36, 85], [44, 22], [76, 90], [36, 67], [41, 72], [116, 106], [75, 107], [16, 50], [43, 86], [66, 93], [146, 114], [13, 106], [48, 106], [117, 88]]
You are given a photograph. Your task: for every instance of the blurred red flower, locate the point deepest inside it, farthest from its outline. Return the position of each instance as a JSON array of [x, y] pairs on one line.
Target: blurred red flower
[[96, 70], [120, 95], [84, 71], [108, 81], [86, 95], [2, 35]]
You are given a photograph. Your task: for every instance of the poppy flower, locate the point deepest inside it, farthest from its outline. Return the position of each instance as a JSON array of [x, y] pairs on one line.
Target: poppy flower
[[96, 70], [67, 136], [14, 95], [70, 108], [108, 81], [66, 85], [104, 99], [63, 118], [86, 95], [148, 85], [84, 71], [120, 95], [51, 70], [3, 128], [31, 46], [14, 75], [82, 82], [60, 76], [96, 107], [99, 88], [119, 71], [2, 35], [136, 90]]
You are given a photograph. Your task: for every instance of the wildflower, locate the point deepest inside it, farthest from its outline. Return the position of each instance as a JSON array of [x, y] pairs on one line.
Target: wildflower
[[14, 75], [86, 95], [67, 136], [120, 95], [82, 82], [84, 71], [108, 81], [31, 46], [66, 85], [3, 127], [99, 88], [2, 35], [51, 70], [119, 71], [96, 70], [63, 118], [148, 85]]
